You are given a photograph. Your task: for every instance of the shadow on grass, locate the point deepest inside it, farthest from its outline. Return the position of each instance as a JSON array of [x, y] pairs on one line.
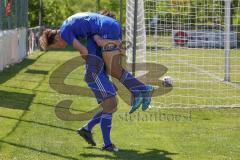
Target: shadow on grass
[[33, 71], [154, 48], [13, 129], [123, 154], [38, 150], [151, 154], [38, 123], [9, 73], [14, 100], [67, 49]]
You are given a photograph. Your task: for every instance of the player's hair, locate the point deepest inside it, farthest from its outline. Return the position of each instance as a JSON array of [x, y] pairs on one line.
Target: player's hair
[[47, 38], [108, 13]]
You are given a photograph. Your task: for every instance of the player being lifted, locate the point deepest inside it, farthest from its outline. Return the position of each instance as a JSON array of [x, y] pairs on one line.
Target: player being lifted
[[102, 55]]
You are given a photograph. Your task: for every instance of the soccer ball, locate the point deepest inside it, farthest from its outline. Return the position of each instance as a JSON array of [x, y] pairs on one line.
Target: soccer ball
[[167, 81]]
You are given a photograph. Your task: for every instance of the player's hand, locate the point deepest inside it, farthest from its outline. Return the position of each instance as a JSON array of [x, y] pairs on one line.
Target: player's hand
[[84, 56]]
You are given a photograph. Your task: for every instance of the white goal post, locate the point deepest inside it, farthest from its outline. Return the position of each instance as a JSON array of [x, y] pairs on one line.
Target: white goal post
[[197, 41], [135, 33]]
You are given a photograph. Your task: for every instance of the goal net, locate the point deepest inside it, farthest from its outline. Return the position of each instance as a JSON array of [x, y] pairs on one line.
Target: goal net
[[196, 42]]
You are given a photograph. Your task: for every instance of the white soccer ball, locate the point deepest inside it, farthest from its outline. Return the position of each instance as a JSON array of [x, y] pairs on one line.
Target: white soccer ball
[[167, 81]]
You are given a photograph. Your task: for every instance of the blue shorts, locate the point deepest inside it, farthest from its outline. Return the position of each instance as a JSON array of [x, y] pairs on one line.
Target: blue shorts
[[96, 76], [111, 31]]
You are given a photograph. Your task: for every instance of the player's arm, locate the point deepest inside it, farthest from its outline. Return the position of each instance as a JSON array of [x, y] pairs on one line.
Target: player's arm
[[81, 48]]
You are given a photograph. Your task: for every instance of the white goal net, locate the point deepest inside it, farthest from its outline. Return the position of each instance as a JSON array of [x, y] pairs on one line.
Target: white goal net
[[196, 42]]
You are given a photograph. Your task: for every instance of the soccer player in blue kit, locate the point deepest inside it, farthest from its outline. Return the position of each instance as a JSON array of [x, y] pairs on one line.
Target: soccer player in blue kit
[[102, 56]]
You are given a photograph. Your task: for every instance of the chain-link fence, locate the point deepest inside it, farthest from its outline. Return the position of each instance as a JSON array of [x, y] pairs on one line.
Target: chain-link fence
[[13, 14], [13, 31], [33, 38]]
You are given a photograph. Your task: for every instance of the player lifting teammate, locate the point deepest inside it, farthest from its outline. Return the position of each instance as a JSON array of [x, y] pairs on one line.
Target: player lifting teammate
[[102, 55]]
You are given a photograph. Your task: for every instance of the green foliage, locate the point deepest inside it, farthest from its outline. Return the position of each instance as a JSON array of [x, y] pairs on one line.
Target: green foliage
[[191, 11], [114, 6], [33, 13], [236, 12], [56, 11]]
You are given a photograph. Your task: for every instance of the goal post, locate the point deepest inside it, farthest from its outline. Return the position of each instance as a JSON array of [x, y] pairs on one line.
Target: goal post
[[227, 39], [136, 35], [199, 44]]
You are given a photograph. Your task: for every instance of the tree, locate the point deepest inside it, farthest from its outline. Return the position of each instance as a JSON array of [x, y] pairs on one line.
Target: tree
[[235, 12], [33, 13], [56, 11]]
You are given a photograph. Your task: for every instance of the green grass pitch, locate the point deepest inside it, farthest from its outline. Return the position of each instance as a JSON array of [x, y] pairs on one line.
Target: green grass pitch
[[31, 128]]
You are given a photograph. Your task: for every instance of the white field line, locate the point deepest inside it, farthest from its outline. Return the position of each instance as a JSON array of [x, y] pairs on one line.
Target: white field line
[[189, 106], [197, 107], [212, 75]]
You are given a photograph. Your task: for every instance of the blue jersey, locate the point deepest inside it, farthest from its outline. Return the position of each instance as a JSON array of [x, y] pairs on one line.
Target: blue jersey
[[85, 25]]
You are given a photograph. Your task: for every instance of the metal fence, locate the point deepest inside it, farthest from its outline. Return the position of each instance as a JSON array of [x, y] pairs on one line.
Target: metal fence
[[13, 31], [33, 38], [18, 15]]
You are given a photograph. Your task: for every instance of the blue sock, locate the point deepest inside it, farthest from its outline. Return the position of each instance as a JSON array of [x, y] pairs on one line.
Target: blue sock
[[95, 120], [106, 122], [132, 83]]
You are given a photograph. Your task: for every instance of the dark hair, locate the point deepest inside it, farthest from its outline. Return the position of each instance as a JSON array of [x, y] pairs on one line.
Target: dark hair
[[47, 38], [108, 13], [51, 38]]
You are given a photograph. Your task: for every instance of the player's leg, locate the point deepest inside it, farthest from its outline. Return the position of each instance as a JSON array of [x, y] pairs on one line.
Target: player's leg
[[109, 107], [142, 93], [94, 66], [86, 130], [111, 54], [105, 93], [112, 61], [94, 121]]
